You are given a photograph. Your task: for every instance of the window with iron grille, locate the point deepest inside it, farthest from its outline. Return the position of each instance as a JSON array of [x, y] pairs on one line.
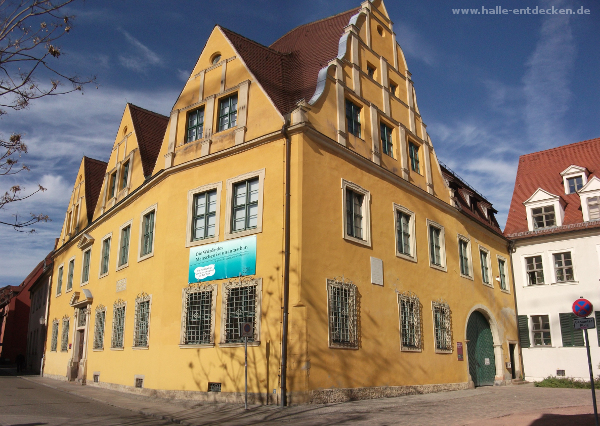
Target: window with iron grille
[[59, 281], [204, 212], [124, 246], [70, 275], [403, 230], [563, 267], [575, 184], [386, 140], [543, 217], [141, 321], [502, 270], [105, 256], [54, 339], [124, 174], [245, 205], [435, 245], [198, 315], [443, 326], [85, 271], [118, 327], [64, 340], [147, 233], [464, 257], [410, 321], [81, 317], [99, 327], [195, 125], [228, 113], [541, 330], [242, 304], [485, 267], [354, 214], [594, 207], [413, 153], [535, 270], [342, 310], [353, 118]]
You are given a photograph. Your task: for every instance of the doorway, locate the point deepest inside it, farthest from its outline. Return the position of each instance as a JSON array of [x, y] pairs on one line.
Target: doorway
[[480, 347], [511, 351]]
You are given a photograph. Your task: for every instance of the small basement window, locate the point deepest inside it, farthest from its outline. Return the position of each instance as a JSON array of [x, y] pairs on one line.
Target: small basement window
[[139, 382], [214, 387]]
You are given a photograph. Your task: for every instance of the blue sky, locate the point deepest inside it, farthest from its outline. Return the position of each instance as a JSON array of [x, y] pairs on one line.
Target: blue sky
[[489, 87]]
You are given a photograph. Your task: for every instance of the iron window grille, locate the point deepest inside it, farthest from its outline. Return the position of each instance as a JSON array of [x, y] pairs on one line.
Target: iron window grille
[[535, 270], [386, 140], [54, 340], [502, 270], [124, 174], [594, 208], [403, 233], [59, 281], [435, 248], [118, 324], [354, 214], [112, 185], [410, 321], [141, 320], [99, 327], [148, 233], [543, 217], [463, 251], [105, 256], [70, 274], [442, 317], [563, 267], [228, 113], [241, 306], [124, 249], [541, 330], [85, 272], [195, 125], [413, 153], [64, 340], [575, 184], [198, 315], [205, 211], [81, 317], [342, 312], [245, 205], [353, 118], [485, 270]]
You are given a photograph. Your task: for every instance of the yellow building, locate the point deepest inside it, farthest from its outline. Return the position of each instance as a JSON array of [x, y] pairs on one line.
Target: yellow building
[[294, 189]]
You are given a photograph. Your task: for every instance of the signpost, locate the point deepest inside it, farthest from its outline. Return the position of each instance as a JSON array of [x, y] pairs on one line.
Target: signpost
[[247, 331], [583, 308]]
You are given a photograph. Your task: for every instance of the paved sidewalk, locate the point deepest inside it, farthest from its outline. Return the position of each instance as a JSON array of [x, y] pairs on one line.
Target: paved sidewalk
[[505, 405]]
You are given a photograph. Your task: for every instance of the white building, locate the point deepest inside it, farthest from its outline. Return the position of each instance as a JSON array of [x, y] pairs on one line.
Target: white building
[[554, 224]]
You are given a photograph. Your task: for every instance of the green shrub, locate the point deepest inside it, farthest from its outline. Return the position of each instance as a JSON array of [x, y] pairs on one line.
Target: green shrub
[[566, 382]]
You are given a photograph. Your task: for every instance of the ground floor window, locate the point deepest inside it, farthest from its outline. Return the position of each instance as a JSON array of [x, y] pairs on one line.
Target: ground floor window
[[141, 321], [541, 330], [99, 327], [410, 321], [241, 304], [118, 327], [64, 341], [198, 314], [54, 339], [341, 300], [443, 326]]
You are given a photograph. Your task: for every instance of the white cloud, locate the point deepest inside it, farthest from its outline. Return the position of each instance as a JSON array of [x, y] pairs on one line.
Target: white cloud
[[183, 75], [142, 57], [413, 44]]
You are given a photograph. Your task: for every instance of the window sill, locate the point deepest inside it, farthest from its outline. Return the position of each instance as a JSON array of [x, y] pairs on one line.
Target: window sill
[[84, 284], [204, 345], [357, 240], [468, 277], [122, 266], [443, 351], [140, 348], [239, 234], [349, 348], [416, 350], [102, 276], [541, 347], [238, 344], [505, 291], [566, 283], [203, 241], [406, 257], [488, 285], [438, 267], [98, 350], [146, 256], [117, 349], [58, 294]]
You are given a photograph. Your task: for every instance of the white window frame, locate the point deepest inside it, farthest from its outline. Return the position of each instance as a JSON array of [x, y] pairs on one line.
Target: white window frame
[[442, 304], [551, 254], [100, 274], [99, 309], [366, 213], [531, 331], [443, 267], [190, 213], [125, 225], [590, 190], [141, 257], [412, 226], [60, 276], [573, 171], [467, 240], [88, 250], [198, 288], [541, 199], [119, 303], [68, 290], [141, 298], [260, 174], [524, 258], [418, 325], [488, 265], [241, 282], [506, 278]]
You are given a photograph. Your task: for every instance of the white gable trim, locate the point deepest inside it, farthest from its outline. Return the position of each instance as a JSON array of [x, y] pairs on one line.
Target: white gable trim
[[541, 195], [592, 185], [571, 172]]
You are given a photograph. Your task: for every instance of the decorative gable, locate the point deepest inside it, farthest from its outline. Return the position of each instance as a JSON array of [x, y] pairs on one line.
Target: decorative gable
[[85, 241], [546, 201]]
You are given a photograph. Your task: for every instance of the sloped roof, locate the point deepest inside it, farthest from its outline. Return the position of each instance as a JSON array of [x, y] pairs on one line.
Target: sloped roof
[[150, 128], [542, 170], [94, 176], [288, 69]]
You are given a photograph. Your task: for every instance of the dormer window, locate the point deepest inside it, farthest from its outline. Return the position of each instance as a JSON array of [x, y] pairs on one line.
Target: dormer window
[[575, 184], [590, 199], [594, 208], [543, 217], [574, 178], [544, 210]]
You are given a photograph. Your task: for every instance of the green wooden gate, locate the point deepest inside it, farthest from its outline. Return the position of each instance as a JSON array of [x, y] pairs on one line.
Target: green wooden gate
[[480, 347]]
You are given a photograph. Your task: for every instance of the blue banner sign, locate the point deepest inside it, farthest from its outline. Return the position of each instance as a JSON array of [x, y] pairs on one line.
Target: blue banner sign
[[233, 258]]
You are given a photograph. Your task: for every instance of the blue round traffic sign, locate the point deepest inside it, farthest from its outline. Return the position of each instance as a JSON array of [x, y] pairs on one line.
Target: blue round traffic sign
[[582, 308]]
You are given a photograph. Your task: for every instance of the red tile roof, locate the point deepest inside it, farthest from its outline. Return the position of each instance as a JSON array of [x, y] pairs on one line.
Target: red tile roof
[[150, 129], [542, 170], [94, 176], [288, 69]]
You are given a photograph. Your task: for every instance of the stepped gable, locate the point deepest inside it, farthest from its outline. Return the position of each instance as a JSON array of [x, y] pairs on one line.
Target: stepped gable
[[542, 170], [150, 128], [94, 177]]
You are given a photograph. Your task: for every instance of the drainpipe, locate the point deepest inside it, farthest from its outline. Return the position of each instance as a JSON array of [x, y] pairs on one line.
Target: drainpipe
[[511, 250], [286, 266]]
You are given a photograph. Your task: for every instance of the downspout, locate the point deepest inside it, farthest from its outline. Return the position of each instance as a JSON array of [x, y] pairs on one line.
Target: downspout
[[511, 250], [286, 265]]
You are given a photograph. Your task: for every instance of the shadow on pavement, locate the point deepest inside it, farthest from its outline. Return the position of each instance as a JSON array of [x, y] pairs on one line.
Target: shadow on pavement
[[564, 420]]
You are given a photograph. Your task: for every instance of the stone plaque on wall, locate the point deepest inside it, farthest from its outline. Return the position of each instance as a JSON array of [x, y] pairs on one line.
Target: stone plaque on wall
[[376, 271], [122, 285]]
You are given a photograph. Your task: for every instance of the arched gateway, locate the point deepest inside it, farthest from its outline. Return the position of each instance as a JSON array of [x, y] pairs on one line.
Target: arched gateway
[[480, 347]]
